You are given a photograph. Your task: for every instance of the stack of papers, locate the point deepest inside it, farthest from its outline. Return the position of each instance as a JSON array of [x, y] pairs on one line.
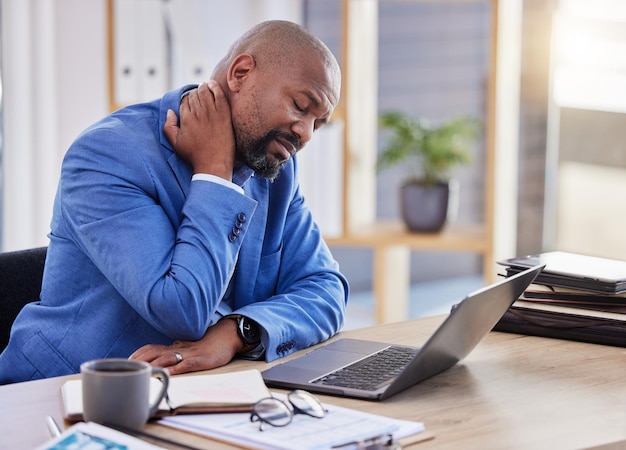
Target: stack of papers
[[576, 297], [339, 427]]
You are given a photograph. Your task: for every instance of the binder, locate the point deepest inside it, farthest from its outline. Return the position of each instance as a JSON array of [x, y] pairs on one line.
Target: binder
[[563, 326]]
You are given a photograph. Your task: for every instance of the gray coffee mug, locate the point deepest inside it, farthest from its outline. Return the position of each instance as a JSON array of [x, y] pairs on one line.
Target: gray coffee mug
[[117, 391]]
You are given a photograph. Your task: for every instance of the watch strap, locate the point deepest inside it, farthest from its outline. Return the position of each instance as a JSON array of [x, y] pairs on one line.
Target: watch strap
[[247, 330]]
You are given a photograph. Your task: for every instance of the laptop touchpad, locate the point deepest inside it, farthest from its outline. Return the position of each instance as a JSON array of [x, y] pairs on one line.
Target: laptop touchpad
[[335, 355]]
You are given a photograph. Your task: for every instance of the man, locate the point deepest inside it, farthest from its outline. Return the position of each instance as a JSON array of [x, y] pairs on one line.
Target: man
[[184, 241]]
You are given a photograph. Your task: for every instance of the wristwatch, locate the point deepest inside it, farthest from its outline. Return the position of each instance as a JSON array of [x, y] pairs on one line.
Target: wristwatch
[[248, 331]]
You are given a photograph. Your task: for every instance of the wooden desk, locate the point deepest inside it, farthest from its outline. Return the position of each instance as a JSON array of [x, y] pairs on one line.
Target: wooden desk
[[512, 392]]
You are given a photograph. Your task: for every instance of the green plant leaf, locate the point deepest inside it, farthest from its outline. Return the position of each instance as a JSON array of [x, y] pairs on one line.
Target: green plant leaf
[[427, 151]]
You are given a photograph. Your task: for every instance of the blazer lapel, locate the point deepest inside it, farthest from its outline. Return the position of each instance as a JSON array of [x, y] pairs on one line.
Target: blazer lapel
[[182, 171]]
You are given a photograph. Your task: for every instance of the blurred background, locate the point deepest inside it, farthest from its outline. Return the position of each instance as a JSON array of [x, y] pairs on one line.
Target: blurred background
[[547, 78]]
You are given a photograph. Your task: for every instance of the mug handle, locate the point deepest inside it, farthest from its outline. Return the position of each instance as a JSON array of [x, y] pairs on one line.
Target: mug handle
[[165, 381]]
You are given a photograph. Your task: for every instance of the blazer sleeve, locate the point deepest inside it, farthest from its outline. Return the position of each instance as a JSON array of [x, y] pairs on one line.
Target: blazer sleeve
[[307, 304], [150, 232]]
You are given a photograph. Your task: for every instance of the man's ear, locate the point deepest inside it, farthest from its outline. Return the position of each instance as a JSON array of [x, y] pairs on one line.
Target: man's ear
[[239, 70]]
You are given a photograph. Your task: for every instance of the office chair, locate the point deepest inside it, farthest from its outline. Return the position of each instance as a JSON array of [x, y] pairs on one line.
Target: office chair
[[21, 273]]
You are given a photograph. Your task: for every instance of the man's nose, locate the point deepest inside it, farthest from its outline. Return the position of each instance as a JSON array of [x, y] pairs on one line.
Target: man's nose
[[304, 129]]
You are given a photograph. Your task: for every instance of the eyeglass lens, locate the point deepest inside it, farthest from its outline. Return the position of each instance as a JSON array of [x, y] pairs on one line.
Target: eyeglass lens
[[305, 403], [276, 412], [273, 412]]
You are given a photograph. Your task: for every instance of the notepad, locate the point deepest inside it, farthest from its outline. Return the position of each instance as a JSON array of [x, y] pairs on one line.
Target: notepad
[[207, 393]]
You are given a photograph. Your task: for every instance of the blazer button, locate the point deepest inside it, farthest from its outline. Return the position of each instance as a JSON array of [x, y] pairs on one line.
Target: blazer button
[[236, 231], [232, 237], [285, 347], [242, 217]]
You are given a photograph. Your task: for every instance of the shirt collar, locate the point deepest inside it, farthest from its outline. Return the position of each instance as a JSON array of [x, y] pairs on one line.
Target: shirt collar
[[241, 174]]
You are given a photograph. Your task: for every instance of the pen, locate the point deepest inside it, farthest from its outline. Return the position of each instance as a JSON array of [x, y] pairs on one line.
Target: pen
[[55, 431]]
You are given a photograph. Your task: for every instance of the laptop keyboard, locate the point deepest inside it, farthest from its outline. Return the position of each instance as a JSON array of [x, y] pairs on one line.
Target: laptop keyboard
[[369, 373]]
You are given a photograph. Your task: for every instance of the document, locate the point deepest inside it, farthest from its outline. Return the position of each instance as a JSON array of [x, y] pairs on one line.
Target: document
[[339, 427], [235, 391]]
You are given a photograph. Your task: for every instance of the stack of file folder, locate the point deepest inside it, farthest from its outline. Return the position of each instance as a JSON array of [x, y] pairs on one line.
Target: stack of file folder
[[575, 297]]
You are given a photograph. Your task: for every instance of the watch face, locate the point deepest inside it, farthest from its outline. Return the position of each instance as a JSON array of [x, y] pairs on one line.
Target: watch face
[[249, 331]]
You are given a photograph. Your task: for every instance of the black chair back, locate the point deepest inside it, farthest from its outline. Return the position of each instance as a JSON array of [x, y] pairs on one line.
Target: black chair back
[[21, 273]]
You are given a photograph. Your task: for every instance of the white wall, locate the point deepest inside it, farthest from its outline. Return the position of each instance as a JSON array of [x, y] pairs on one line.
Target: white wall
[[54, 85], [588, 72], [590, 216]]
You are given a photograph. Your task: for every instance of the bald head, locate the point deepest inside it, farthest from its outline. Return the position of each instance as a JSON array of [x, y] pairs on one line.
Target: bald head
[[277, 43]]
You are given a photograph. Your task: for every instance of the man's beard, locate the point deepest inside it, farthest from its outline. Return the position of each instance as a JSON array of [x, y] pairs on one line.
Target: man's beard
[[253, 153]]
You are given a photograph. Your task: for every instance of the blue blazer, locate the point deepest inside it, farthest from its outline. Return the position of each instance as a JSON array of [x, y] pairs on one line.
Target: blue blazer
[[140, 254]]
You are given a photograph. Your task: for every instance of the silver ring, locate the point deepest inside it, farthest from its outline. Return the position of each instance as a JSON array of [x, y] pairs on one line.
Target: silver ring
[[179, 357]]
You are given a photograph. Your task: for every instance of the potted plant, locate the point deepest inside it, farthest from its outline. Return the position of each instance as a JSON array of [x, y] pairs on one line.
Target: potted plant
[[427, 152]]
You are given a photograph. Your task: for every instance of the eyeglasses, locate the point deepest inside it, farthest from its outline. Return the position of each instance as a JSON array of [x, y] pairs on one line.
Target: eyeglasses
[[278, 413]]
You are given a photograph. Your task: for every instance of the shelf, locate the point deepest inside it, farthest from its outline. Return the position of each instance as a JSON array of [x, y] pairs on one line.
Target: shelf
[[390, 233], [392, 244]]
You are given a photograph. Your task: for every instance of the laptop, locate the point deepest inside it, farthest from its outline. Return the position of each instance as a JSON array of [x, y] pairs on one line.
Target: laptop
[[344, 367]]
